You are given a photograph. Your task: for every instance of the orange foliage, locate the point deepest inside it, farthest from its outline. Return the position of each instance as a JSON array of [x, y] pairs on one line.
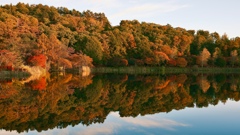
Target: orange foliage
[[65, 62], [162, 86], [180, 54], [131, 98], [204, 83], [7, 90], [80, 108], [162, 54], [148, 80], [85, 81], [181, 78], [131, 41], [166, 49], [79, 60], [181, 62], [70, 91], [6, 59], [67, 78]]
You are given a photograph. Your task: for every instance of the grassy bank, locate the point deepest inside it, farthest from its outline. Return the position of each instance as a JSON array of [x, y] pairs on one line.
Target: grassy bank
[[13, 74], [164, 70]]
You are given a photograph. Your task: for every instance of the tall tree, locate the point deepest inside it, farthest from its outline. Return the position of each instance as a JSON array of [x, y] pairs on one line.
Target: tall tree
[[234, 57], [205, 55]]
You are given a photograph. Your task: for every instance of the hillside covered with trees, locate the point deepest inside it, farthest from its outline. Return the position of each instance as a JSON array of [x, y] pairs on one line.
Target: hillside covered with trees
[[50, 37]]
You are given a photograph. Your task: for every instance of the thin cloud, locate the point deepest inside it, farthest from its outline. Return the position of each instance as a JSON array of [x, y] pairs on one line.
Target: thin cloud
[[3, 132], [146, 10], [141, 10], [161, 123], [152, 121], [101, 4], [97, 130]]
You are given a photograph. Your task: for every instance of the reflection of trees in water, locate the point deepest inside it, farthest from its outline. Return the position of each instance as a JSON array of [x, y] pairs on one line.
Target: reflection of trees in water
[[71, 99]]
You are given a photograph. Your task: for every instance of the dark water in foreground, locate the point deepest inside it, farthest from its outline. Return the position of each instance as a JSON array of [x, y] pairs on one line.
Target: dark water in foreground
[[121, 104]]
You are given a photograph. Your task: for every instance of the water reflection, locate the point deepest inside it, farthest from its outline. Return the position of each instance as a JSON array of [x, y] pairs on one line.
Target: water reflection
[[54, 101], [152, 121]]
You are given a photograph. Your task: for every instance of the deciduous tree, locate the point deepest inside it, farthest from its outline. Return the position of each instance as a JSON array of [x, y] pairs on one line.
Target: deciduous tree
[[205, 55]]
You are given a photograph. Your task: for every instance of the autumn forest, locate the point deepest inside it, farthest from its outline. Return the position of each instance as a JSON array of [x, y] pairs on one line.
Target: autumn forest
[[198, 68], [48, 37]]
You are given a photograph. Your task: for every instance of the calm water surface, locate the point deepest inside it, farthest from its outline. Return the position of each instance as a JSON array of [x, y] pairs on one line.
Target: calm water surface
[[121, 104]]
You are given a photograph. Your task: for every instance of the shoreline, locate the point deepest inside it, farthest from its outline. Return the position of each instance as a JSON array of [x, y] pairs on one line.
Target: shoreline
[[13, 74], [137, 70], [166, 70]]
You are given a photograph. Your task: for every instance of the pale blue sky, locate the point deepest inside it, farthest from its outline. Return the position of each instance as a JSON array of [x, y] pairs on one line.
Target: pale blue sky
[[222, 16]]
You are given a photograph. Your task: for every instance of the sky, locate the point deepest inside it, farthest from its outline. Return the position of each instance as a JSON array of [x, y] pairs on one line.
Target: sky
[[220, 16]]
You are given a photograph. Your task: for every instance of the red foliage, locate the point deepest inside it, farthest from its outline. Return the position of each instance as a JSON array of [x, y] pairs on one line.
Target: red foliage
[[7, 67], [39, 84], [123, 78], [149, 61], [172, 62], [6, 60], [6, 81], [139, 62], [172, 78], [118, 62], [123, 62], [10, 67], [38, 60]]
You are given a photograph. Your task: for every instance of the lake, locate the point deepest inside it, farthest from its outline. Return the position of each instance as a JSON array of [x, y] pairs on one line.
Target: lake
[[121, 104]]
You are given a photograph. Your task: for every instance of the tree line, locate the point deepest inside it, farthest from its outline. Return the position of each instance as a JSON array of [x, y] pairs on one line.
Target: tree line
[[50, 37]]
